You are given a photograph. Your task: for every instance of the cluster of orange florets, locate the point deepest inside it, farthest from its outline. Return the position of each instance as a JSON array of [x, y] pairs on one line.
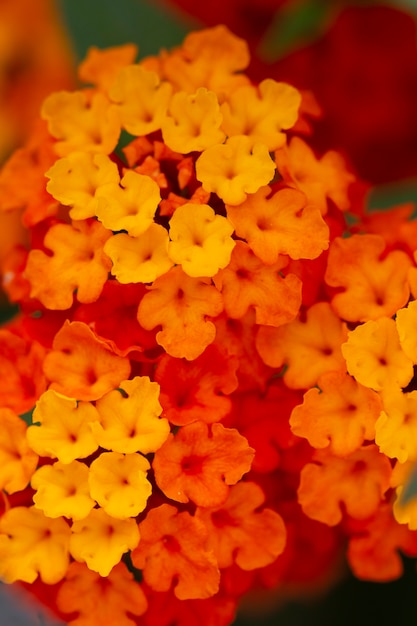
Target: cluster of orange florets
[[215, 349]]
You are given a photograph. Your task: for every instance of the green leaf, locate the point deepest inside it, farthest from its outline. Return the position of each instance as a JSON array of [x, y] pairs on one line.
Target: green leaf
[[105, 23], [409, 491], [27, 417], [137, 574], [392, 194], [7, 309], [297, 24]]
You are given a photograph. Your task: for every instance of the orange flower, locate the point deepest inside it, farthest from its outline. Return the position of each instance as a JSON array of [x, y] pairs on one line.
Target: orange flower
[[174, 550], [356, 484], [339, 414], [197, 390], [280, 223], [237, 337], [100, 67], [373, 551], [82, 366], [181, 305], [246, 282], [22, 380], [372, 286], [98, 600], [12, 237], [269, 434], [165, 608], [77, 258], [320, 179], [114, 318], [395, 225], [308, 348], [211, 58], [199, 463], [22, 178], [240, 532]]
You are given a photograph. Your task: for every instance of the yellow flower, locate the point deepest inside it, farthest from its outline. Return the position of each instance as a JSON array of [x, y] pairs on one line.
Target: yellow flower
[[129, 418], [200, 240], [405, 504], [374, 356], [74, 180], [235, 168], [406, 322], [80, 122], [62, 490], [64, 432], [396, 427], [142, 100], [31, 545], [139, 259], [17, 460], [100, 540], [262, 113], [405, 512], [118, 483], [129, 206], [193, 122]]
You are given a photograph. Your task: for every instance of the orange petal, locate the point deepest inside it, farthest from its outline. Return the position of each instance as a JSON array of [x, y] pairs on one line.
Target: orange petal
[[356, 484], [371, 286], [246, 282], [240, 532], [199, 463], [174, 550], [81, 366], [181, 305]]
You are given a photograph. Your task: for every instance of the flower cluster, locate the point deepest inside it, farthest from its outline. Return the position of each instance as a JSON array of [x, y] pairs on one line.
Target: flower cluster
[[339, 52], [214, 352]]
